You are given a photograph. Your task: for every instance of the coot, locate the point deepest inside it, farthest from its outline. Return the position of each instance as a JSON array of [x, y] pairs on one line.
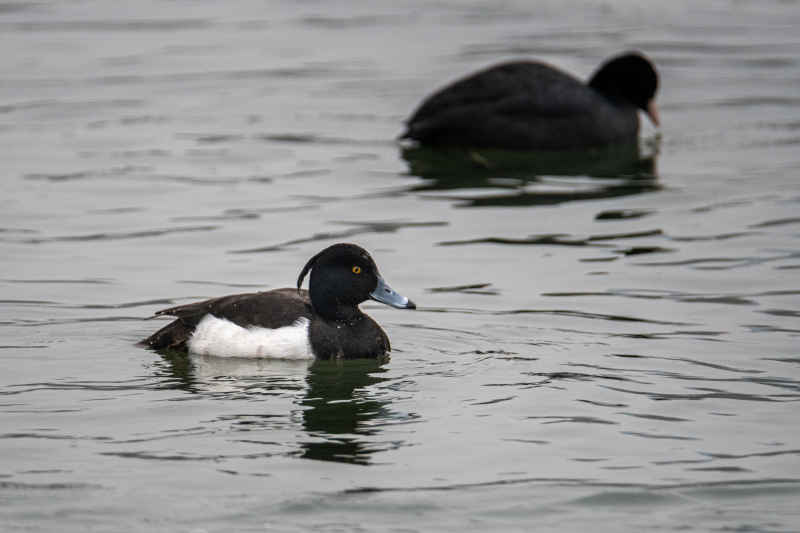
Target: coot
[[529, 105]]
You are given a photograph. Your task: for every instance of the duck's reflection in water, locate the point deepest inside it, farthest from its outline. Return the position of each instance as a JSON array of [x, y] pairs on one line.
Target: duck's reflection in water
[[232, 377], [339, 408], [526, 178]]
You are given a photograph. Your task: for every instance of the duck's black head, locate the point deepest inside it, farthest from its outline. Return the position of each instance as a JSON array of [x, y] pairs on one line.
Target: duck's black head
[[343, 276], [630, 77]]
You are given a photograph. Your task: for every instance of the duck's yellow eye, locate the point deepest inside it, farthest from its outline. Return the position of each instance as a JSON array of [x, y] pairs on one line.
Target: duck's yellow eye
[[356, 269]]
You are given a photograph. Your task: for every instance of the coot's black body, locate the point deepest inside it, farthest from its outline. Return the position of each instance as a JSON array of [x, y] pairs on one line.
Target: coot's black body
[[528, 105]]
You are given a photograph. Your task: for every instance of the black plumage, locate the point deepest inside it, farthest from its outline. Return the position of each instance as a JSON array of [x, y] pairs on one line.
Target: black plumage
[[528, 105]]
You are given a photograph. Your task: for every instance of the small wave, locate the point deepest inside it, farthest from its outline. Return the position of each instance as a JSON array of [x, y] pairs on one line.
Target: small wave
[[748, 299], [356, 21], [553, 419], [217, 138], [16, 485], [657, 436], [723, 263], [711, 48], [713, 237], [781, 312], [593, 316], [724, 469], [778, 62], [221, 284], [643, 250], [769, 328], [51, 436], [72, 105], [749, 455], [474, 288], [125, 305], [86, 174], [21, 347], [659, 418], [29, 302], [155, 456], [494, 401], [125, 385], [111, 236], [17, 230], [143, 25], [776, 222], [623, 214], [709, 395], [499, 50], [559, 239], [751, 101], [308, 138], [361, 228], [85, 281], [191, 432]]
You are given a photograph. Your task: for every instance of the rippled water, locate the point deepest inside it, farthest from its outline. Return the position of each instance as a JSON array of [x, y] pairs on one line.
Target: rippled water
[[607, 341]]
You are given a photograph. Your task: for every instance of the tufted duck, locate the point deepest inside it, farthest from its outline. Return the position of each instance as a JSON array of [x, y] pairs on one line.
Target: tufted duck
[[323, 322]]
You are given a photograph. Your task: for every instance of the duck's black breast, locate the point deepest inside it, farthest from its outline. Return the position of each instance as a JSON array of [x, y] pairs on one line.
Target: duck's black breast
[[521, 105], [358, 339], [269, 309]]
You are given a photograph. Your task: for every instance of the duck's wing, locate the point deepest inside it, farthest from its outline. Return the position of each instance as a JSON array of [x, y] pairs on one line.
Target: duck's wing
[[270, 309]]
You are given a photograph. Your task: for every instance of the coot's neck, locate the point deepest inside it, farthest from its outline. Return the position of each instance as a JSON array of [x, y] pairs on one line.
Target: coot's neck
[[602, 83]]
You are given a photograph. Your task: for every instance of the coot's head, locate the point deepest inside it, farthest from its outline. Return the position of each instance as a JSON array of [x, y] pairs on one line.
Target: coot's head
[[630, 77], [343, 276]]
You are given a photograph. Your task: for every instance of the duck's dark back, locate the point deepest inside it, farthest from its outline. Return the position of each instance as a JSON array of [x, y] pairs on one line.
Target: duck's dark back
[[270, 309]]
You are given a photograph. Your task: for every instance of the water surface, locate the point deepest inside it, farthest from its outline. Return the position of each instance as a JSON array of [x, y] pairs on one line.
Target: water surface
[[606, 341]]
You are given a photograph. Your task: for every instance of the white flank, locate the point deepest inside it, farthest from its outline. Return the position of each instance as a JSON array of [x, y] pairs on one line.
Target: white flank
[[223, 338]]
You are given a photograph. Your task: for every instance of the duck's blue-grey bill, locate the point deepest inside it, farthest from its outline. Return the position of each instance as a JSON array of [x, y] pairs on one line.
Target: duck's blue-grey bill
[[384, 294]]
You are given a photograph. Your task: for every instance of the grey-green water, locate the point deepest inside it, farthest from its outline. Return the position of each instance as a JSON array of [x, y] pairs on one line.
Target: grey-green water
[[599, 345]]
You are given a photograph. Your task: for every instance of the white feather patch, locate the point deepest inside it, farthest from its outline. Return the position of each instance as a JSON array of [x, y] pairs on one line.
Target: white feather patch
[[223, 338]]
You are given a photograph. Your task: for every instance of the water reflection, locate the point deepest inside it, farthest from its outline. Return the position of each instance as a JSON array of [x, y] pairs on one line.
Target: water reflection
[[175, 366], [232, 377], [520, 178], [340, 409], [339, 413]]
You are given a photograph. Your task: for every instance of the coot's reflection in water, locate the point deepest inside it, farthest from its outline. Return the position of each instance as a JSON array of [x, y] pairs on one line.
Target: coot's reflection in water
[[339, 410], [520, 178]]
